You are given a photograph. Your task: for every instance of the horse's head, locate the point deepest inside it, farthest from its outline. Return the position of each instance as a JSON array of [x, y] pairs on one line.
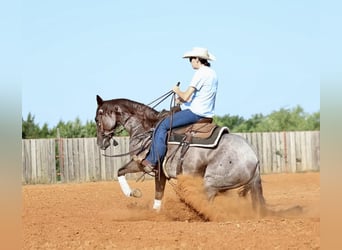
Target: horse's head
[[135, 117], [106, 122]]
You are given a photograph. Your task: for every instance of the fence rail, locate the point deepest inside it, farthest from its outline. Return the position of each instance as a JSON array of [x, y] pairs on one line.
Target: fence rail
[[80, 160]]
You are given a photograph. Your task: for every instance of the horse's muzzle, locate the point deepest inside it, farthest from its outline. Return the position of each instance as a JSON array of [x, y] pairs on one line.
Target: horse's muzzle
[[104, 144]]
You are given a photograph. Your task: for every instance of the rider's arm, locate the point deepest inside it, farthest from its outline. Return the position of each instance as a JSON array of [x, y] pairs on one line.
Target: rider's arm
[[184, 96]]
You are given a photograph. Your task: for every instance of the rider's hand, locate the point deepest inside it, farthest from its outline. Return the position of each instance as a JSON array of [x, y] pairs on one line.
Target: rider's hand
[[175, 89], [179, 101]]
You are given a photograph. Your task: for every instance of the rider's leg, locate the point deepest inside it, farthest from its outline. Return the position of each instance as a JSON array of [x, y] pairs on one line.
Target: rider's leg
[[158, 147]]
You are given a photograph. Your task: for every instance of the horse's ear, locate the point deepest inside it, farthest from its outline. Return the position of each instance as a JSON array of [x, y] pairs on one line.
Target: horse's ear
[[99, 100]]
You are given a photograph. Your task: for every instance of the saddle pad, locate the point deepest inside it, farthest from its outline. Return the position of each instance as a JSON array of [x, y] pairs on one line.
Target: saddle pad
[[209, 142]]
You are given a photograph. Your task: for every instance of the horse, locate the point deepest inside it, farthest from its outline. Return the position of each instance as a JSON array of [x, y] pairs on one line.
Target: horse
[[232, 163]]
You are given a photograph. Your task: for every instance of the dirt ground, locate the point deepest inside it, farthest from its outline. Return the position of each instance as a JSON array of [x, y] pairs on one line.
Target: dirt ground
[[98, 216]]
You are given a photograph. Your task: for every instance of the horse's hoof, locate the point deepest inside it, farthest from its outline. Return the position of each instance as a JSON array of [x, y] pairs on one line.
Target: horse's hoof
[[136, 193]]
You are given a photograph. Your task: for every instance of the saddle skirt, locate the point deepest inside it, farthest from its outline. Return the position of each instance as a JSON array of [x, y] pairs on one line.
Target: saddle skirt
[[200, 134]]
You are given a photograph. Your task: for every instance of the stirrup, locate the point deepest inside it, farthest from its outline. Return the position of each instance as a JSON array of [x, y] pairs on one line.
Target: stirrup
[[149, 169], [147, 166]]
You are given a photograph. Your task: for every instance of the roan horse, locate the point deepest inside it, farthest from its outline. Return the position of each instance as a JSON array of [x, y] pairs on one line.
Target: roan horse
[[233, 163]]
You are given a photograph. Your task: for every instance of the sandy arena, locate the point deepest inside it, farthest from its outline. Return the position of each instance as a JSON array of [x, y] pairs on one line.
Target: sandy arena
[[98, 216]]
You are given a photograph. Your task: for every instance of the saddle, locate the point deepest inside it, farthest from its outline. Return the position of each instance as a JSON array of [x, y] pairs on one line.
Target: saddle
[[203, 133], [201, 129]]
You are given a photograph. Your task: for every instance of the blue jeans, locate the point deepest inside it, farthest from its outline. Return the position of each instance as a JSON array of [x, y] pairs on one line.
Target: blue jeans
[[158, 147]]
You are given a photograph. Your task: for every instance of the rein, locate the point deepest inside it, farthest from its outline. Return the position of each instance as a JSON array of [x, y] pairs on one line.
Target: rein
[[124, 154], [163, 98], [139, 150]]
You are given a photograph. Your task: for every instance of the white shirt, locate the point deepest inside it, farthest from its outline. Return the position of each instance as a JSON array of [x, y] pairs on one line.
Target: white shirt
[[203, 99]]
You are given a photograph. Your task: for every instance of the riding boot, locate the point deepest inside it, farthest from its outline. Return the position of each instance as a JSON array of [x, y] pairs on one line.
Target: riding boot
[[148, 167]]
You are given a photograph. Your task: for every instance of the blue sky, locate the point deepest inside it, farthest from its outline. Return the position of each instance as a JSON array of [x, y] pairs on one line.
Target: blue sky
[[267, 54]]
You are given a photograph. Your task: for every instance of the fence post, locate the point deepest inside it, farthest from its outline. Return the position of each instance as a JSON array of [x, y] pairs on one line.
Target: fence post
[[60, 156]]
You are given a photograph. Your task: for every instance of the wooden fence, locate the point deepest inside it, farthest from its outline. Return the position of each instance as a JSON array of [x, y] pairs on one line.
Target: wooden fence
[[80, 160]]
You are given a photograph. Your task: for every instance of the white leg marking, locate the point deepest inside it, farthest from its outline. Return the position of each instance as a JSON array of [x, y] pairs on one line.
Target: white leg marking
[[157, 205]]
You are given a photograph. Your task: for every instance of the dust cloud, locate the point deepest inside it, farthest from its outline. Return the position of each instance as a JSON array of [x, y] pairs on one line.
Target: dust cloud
[[226, 205], [187, 201]]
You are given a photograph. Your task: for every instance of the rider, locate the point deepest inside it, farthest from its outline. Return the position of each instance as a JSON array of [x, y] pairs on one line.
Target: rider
[[198, 102]]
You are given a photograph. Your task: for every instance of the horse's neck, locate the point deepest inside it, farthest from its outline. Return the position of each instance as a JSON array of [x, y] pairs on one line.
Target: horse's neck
[[134, 126], [137, 118]]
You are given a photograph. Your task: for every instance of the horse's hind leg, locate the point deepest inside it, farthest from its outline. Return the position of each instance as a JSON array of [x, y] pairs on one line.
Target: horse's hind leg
[[258, 200], [214, 183], [160, 181], [211, 192]]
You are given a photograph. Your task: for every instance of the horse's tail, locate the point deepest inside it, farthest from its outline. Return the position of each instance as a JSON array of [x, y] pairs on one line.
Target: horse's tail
[[255, 186]]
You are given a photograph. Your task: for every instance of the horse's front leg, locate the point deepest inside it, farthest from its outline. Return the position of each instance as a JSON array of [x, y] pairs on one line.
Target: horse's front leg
[[130, 167], [160, 182]]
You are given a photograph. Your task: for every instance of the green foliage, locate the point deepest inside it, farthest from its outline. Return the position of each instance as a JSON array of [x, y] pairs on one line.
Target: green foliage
[[282, 120], [70, 129], [313, 121], [121, 131], [229, 121], [30, 130], [249, 125]]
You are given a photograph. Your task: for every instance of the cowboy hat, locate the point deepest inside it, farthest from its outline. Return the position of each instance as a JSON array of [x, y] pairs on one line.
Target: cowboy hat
[[201, 53]]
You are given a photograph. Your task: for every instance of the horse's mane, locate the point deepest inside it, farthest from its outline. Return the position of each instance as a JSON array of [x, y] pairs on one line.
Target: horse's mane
[[147, 115]]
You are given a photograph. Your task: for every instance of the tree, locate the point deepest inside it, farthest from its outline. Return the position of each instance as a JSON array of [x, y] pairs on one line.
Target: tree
[[45, 132], [251, 124], [313, 122], [288, 120], [30, 130], [71, 129], [90, 129], [229, 121]]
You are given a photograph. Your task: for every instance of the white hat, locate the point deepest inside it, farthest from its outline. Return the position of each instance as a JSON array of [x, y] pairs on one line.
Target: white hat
[[201, 53]]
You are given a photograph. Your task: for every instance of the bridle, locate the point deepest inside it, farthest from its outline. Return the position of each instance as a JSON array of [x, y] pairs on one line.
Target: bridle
[[110, 134], [99, 123]]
